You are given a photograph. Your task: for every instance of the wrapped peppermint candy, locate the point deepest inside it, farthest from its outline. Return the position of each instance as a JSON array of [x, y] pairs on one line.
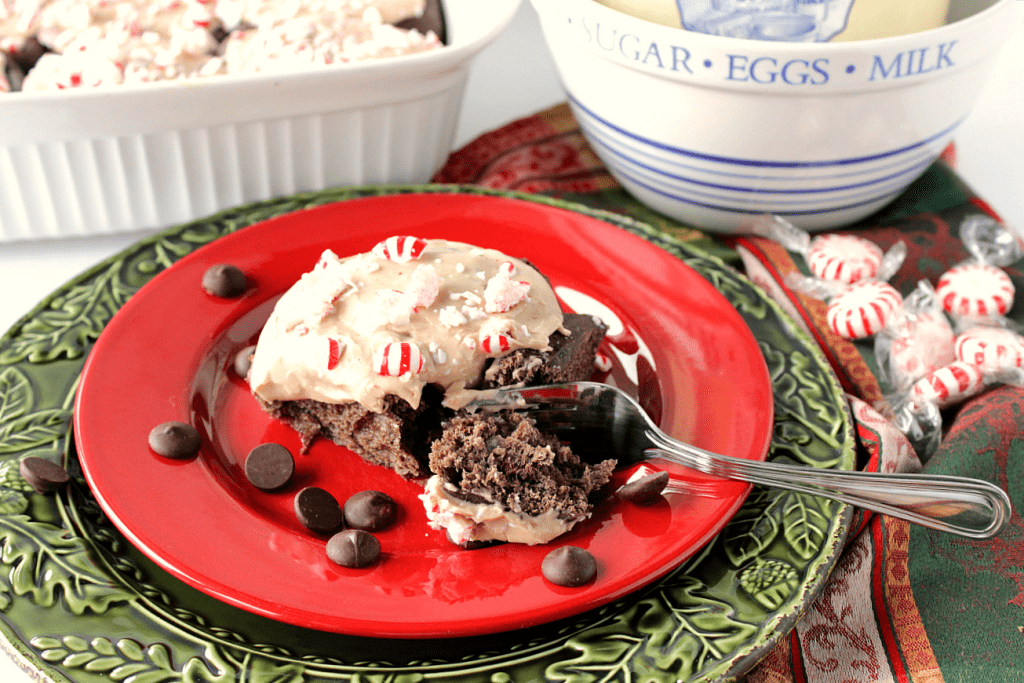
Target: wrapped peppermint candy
[[917, 411], [918, 341], [864, 309], [984, 356], [831, 258], [979, 289], [849, 272], [995, 350]]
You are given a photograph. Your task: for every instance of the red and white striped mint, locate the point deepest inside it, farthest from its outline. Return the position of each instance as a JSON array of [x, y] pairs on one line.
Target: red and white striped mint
[[495, 344], [991, 348], [975, 289], [400, 248], [397, 358], [948, 385], [843, 258], [863, 310]]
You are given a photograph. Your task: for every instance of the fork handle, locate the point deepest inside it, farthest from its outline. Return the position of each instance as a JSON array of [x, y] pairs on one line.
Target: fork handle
[[967, 507]]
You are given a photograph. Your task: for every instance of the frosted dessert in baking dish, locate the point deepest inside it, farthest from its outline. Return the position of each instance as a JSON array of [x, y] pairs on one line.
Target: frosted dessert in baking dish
[[54, 44]]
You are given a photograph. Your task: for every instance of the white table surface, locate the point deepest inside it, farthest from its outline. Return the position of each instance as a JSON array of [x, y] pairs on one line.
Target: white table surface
[[515, 77]]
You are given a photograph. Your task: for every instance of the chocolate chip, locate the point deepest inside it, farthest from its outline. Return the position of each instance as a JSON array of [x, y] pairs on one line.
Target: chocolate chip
[[431, 19], [269, 466], [175, 440], [224, 280], [318, 510], [353, 548], [569, 566], [243, 361], [43, 475], [28, 53], [645, 490], [370, 511]]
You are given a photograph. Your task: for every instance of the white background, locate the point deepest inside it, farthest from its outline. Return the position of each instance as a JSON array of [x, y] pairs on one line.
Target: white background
[[514, 77]]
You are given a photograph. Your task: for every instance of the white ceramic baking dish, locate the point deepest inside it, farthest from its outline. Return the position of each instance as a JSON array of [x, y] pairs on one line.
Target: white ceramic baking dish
[[133, 157]]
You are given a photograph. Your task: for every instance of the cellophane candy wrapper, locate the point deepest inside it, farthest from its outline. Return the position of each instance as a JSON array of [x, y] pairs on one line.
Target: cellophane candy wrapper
[[983, 356], [835, 260], [934, 348], [849, 272], [919, 340], [922, 426]]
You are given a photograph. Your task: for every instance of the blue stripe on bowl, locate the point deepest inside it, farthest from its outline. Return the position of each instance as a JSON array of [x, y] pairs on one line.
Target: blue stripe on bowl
[[786, 188], [761, 163], [802, 188], [761, 209], [913, 160], [763, 202]]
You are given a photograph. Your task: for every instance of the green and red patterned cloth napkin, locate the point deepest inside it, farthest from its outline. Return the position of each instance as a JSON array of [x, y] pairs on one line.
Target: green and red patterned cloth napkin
[[904, 603]]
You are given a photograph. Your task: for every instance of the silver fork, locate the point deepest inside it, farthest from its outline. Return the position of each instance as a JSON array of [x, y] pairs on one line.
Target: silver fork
[[601, 420]]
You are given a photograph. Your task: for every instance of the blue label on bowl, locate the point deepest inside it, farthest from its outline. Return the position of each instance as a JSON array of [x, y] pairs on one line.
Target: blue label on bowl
[[756, 67], [786, 20]]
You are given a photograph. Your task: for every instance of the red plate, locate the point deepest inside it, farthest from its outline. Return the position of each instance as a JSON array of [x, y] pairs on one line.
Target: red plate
[[166, 355]]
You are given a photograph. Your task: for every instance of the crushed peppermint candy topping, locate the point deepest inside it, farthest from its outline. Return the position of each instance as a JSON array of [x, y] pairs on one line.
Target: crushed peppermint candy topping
[[399, 327], [110, 42], [450, 316], [503, 293], [423, 287], [335, 347], [395, 305], [437, 353]]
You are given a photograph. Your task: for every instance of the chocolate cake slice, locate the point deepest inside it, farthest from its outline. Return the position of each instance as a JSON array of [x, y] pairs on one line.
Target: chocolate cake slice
[[400, 436], [500, 479]]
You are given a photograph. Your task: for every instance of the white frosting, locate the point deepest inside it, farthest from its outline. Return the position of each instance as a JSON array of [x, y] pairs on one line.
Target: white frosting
[[329, 335], [468, 522], [108, 42]]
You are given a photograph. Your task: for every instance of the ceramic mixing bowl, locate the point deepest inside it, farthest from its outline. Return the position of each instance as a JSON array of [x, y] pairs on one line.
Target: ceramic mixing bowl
[[711, 130]]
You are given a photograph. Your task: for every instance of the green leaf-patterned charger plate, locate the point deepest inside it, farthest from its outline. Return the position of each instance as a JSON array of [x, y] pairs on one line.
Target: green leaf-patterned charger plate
[[79, 604]]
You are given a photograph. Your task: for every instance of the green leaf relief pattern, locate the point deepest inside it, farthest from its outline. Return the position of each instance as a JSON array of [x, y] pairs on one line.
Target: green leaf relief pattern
[[806, 520], [121, 660], [130, 661], [671, 635], [39, 560], [770, 582], [753, 529], [48, 565], [70, 322], [804, 415]]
